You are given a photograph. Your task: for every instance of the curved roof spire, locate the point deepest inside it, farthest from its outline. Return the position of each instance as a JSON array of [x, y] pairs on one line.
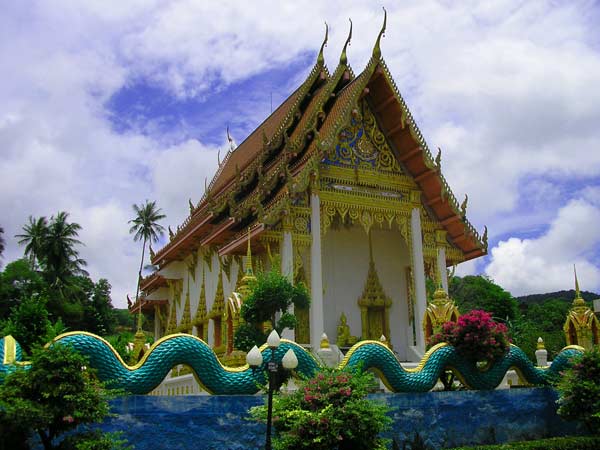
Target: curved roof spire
[[344, 58], [377, 48], [321, 58], [577, 301]]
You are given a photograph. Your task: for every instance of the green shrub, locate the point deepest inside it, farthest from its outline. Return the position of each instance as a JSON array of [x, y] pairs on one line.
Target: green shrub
[[328, 412], [579, 389], [54, 396], [562, 443]]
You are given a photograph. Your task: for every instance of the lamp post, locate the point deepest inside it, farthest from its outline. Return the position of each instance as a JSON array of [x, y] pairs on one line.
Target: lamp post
[[289, 362]]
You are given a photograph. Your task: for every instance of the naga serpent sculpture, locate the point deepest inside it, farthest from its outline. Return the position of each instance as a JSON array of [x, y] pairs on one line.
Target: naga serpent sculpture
[[215, 378]]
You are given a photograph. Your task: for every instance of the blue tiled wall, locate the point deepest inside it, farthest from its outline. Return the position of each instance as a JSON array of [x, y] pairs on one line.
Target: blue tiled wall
[[443, 419]]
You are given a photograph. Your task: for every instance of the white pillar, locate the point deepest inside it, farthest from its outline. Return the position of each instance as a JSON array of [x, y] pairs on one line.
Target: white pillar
[[317, 326], [287, 256], [287, 269], [441, 263], [419, 275], [211, 332]]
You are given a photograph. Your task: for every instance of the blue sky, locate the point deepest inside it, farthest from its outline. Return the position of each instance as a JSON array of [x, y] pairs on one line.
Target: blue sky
[[104, 104]]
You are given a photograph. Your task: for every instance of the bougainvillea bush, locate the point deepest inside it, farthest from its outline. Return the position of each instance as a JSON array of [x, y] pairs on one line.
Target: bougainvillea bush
[[328, 412], [475, 336]]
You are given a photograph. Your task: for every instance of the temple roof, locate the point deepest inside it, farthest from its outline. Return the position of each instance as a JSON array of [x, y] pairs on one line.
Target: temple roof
[[256, 177]]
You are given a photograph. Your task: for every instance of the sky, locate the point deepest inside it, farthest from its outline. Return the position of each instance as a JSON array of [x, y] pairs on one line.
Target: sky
[[104, 104]]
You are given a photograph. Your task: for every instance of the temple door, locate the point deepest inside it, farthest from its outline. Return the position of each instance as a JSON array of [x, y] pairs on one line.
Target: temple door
[[375, 317]]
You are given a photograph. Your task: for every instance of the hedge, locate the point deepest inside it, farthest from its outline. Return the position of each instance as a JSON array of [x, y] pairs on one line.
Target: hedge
[[562, 443]]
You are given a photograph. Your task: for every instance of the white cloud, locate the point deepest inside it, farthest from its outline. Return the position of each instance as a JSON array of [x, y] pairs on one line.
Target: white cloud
[[506, 88], [179, 175], [545, 264]]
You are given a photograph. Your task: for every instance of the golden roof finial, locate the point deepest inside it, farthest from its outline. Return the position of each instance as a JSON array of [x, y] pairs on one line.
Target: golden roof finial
[[377, 48], [463, 206], [321, 58], [344, 58], [578, 300], [230, 139], [484, 238]]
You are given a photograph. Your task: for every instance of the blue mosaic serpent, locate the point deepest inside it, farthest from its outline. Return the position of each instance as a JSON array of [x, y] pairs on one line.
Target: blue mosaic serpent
[[215, 378]]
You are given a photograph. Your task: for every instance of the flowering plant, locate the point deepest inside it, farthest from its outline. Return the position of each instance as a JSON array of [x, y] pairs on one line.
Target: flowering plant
[[475, 336], [328, 411]]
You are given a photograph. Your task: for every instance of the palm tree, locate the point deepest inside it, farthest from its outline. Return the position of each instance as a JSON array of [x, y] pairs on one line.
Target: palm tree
[[145, 227], [60, 258], [34, 237], [1, 241]]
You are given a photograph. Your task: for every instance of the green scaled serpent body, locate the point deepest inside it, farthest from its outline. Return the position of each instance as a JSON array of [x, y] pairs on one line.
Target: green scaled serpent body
[[215, 378]]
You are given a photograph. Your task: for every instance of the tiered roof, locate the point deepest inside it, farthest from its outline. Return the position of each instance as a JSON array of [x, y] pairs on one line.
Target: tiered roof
[[252, 185]]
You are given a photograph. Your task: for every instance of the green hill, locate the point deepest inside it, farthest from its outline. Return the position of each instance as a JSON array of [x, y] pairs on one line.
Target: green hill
[[558, 295]]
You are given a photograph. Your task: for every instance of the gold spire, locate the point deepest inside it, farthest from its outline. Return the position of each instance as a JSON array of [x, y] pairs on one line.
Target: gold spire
[[373, 296], [578, 300], [185, 325], [321, 58], [343, 57], [201, 311], [582, 326], [219, 302], [243, 283], [377, 48], [172, 325]]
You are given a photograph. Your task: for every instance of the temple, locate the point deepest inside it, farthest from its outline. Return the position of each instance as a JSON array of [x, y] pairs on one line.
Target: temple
[[339, 189]]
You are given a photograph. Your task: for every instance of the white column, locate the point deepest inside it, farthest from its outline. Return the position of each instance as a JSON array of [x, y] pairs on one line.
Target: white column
[[419, 275], [317, 326], [287, 269], [441, 263], [287, 256], [211, 332]]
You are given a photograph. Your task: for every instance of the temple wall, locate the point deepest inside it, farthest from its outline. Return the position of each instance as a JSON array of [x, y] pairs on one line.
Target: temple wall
[[443, 419], [345, 265], [179, 270]]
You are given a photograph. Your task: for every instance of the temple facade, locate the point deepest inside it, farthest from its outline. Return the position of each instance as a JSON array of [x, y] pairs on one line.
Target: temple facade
[[337, 187]]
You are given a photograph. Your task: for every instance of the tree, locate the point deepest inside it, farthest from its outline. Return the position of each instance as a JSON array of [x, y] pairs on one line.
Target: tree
[[34, 238], [28, 323], [478, 292], [52, 246], [271, 294], [1, 241], [60, 258], [145, 227], [18, 282], [56, 395], [100, 317]]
